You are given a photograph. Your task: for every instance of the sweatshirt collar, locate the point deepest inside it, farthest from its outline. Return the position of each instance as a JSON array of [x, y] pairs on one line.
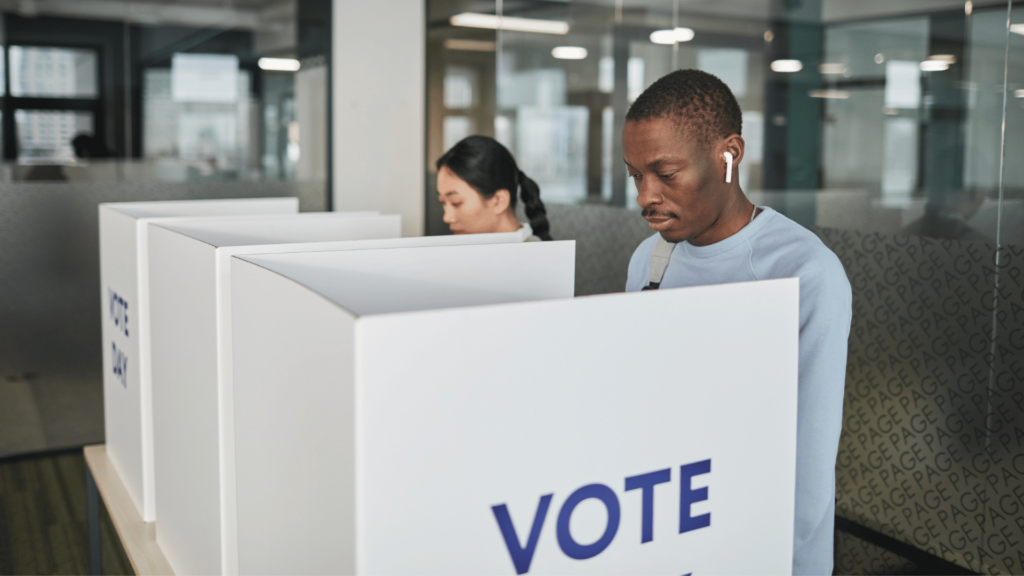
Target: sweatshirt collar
[[737, 239]]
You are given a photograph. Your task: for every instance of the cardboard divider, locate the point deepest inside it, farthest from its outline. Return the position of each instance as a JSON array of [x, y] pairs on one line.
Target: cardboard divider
[[453, 410], [124, 281]]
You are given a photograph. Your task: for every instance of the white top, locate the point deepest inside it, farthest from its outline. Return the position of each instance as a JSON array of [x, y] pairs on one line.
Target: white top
[[527, 231], [773, 246]]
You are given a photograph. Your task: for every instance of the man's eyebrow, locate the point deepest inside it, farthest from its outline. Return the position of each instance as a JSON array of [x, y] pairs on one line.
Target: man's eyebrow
[[663, 160]]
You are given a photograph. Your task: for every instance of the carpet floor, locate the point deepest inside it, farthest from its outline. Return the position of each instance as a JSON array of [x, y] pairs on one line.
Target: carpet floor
[[43, 518]]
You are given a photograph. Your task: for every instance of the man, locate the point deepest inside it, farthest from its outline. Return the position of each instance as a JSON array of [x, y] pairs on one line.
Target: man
[[677, 140]]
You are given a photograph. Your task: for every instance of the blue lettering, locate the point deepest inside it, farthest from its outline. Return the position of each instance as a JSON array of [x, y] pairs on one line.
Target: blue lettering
[[646, 483], [521, 556], [572, 548], [120, 363], [118, 311], [689, 496]]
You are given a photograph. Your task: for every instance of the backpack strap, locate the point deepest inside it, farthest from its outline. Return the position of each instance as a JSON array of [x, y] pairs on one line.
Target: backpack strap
[[659, 262]]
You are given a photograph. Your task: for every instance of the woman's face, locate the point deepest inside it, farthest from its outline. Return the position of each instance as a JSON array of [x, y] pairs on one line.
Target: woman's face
[[465, 211]]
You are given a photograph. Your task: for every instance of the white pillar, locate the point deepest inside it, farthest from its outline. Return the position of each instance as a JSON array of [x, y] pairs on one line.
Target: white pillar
[[378, 102]]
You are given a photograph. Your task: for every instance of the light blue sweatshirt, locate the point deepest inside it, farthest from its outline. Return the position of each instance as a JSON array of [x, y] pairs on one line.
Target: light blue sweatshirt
[[773, 246]]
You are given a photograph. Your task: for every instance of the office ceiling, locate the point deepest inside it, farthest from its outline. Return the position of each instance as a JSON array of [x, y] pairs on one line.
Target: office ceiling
[[227, 4], [244, 14]]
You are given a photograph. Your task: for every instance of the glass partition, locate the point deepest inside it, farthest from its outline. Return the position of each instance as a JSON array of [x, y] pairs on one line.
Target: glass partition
[[202, 92], [133, 101]]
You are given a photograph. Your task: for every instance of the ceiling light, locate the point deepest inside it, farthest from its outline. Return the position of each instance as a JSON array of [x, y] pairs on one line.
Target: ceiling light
[[787, 66], [968, 7], [831, 68], [672, 36], [768, 36], [947, 58], [879, 58], [934, 66], [279, 64], [836, 94], [569, 52], [1018, 93], [1017, 28], [472, 45], [492, 22]]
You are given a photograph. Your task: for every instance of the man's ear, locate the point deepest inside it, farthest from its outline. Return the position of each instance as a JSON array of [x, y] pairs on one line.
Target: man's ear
[[500, 201], [735, 145]]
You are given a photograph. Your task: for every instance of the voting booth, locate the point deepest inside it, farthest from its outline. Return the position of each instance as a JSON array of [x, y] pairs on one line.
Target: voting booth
[[124, 285], [453, 410], [192, 363]]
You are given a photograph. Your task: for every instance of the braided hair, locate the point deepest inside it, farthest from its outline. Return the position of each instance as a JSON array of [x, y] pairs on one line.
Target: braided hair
[[487, 166]]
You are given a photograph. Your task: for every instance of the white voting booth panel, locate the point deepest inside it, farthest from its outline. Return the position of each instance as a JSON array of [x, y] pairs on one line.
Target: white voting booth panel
[[191, 366], [455, 411], [124, 266], [193, 376]]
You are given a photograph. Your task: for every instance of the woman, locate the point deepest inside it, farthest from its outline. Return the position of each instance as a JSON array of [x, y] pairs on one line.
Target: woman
[[478, 182]]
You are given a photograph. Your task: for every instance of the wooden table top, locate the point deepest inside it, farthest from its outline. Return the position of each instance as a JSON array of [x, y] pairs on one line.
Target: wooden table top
[[137, 537]]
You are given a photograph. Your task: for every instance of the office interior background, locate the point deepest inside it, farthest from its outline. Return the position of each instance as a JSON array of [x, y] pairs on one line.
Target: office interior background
[[893, 129]]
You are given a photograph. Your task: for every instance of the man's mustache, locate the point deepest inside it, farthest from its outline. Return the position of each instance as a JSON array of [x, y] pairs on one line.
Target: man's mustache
[[651, 213]]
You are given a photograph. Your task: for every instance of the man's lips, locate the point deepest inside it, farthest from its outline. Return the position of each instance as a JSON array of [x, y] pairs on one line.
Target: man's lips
[[658, 221]]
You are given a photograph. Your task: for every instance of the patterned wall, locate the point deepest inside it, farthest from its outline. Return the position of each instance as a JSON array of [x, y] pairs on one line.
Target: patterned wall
[[856, 556], [932, 450]]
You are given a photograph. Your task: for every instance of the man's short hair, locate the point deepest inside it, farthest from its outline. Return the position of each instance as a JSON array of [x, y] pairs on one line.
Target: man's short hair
[[699, 102]]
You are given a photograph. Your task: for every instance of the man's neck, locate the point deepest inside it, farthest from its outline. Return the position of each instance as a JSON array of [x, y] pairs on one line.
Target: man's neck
[[734, 218]]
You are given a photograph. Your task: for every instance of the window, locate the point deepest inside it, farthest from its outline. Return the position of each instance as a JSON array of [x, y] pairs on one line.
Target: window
[[45, 135], [55, 97], [53, 72]]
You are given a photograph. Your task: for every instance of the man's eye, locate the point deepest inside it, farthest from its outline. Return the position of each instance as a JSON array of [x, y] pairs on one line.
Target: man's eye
[[634, 176], [666, 176]]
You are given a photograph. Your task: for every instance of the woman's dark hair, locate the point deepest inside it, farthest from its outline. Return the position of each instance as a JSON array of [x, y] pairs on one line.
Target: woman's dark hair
[[487, 166]]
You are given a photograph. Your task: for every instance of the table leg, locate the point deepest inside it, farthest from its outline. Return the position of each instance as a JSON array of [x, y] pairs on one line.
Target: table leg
[[93, 519]]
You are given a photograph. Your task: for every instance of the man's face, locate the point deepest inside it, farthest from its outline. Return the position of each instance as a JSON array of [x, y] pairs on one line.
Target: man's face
[[676, 178]]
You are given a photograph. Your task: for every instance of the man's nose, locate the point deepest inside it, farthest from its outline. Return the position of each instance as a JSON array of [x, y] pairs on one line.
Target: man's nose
[[646, 194]]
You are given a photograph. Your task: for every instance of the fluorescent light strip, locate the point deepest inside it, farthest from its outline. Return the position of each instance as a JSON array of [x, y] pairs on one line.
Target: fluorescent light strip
[[787, 66], [279, 64], [934, 66], [569, 52], [1017, 28], [669, 37], [835, 94], [492, 22], [831, 68], [471, 45]]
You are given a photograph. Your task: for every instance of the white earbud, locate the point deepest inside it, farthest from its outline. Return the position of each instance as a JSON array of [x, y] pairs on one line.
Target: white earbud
[[728, 167]]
